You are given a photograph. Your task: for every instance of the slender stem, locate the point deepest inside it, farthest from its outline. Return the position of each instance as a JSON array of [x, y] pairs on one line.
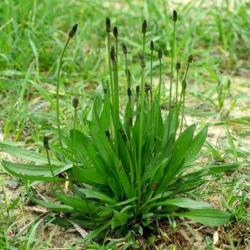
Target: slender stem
[[57, 91], [151, 76], [183, 97], [180, 103], [176, 101], [127, 74], [75, 118], [116, 91], [160, 80], [147, 98], [177, 86], [116, 49], [74, 138], [141, 134], [183, 106], [112, 83], [116, 87], [143, 43], [185, 76], [172, 69], [171, 80], [159, 101], [151, 69], [130, 88], [142, 102], [110, 66], [115, 106], [49, 162], [137, 103]]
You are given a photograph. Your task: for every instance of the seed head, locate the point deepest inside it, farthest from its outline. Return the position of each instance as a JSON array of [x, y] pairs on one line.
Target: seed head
[[108, 25], [46, 142], [124, 48], [154, 186], [160, 53], [144, 27], [178, 66], [137, 90], [147, 88], [73, 31], [75, 102], [129, 92], [152, 45], [130, 121], [128, 74], [123, 134], [143, 65], [112, 54], [115, 32], [107, 133], [190, 59], [175, 15], [184, 84]]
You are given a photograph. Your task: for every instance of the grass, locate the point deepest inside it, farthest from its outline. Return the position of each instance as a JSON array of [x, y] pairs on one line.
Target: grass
[[32, 38]]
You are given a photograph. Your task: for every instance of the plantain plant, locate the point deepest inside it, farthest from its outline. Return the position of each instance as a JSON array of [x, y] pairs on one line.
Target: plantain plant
[[128, 164]]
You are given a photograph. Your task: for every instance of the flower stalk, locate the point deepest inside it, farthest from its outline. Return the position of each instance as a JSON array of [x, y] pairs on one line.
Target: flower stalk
[[47, 148], [75, 103], [151, 67], [183, 94], [70, 36], [108, 30], [172, 68], [160, 72], [141, 113]]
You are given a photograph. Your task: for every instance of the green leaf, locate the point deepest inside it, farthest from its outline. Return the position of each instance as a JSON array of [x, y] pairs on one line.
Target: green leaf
[[90, 193], [181, 146], [170, 126], [102, 145], [88, 175], [93, 234], [53, 206], [119, 219], [185, 147], [123, 152], [122, 203], [127, 118], [207, 216], [111, 160], [153, 168], [184, 203], [217, 169], [105, 114], [123, 178], [34, 172], [76, 202], [187, 184], [79, 142], [26, 154], [85, 151], [195, 146]]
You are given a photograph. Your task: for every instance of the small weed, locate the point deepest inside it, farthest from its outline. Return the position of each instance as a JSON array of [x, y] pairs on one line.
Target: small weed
[[125, 166]]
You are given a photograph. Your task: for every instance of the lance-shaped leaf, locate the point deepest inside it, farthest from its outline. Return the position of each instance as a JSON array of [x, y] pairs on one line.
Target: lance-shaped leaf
[[207, 216], [34, 172], [26, 154]]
